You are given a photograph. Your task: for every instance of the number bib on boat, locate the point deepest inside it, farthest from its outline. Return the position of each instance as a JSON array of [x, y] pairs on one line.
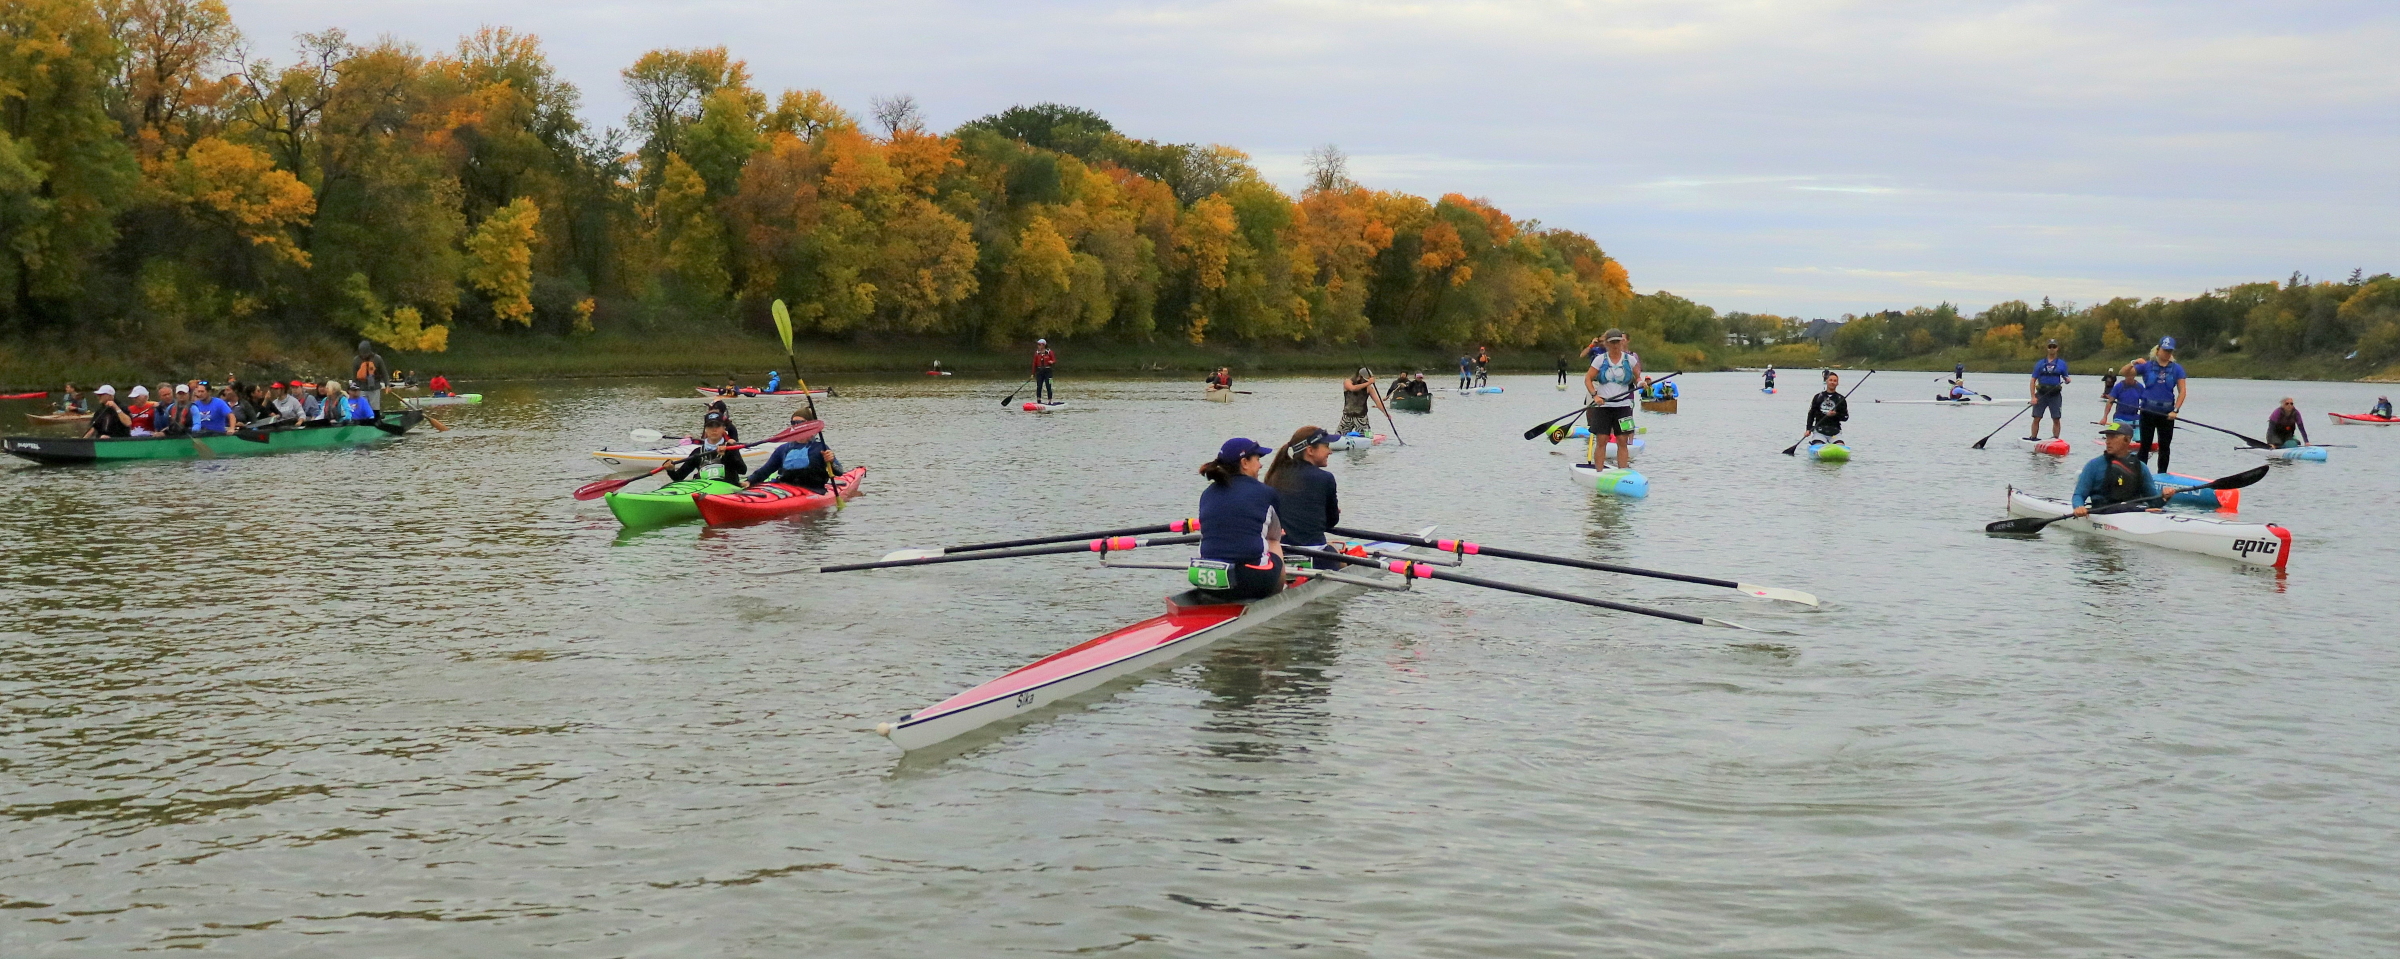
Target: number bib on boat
[[1210, 574]]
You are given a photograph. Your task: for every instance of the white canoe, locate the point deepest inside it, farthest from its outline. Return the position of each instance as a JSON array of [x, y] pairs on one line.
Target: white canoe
[[640, 459], [2258, 544], [1217, 396], [1192, 622]]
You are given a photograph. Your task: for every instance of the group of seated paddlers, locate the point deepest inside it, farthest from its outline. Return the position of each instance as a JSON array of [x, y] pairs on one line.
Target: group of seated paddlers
[[196, 408], [809, 464], [1408, 384], [1246, 521]]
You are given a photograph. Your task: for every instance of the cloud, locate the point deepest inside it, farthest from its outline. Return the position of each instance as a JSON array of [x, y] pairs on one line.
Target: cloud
[[2140, 145]]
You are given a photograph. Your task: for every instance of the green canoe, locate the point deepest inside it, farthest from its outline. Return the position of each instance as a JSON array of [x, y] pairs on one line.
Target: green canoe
[[671, 503], [57, 450], [1413, 404]]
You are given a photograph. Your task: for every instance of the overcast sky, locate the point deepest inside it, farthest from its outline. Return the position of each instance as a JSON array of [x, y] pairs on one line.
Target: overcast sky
[[1803, 157]]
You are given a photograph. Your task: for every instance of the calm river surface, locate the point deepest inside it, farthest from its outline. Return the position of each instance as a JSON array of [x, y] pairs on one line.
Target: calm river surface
[[415, 701]]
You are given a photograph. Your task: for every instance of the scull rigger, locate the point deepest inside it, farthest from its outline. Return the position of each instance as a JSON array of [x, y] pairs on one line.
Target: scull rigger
[[1192, 622]]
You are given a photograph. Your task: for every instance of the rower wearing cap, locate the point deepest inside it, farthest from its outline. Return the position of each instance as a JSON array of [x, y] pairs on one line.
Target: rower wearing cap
[[288, 408], [2116, 475], [2048, 390], [174, 416], [1043, 359], [2164, 390], [717, 450], [141, 414], [1610, 384], [108, 419], [733, 430], [808, 464], [1309, 500], [1356, 391], [1241, 531]]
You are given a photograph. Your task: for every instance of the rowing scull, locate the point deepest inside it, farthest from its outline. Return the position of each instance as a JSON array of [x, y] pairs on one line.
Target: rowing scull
[[1192, 622]]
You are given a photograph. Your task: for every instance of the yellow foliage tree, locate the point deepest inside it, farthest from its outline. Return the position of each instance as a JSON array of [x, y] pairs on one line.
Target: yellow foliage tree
[[1205, 238], [240, 189], [500, 259], [690, 237]]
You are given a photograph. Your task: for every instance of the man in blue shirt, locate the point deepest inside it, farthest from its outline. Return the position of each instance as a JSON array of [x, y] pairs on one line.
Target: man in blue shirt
[[2049, 390], [2164, 390], [211, 416]]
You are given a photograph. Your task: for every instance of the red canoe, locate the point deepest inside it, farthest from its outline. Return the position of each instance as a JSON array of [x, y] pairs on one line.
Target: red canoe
[[769, 500], [23, 396]]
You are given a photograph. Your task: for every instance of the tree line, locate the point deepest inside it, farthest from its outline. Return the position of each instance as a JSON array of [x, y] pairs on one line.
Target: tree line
[[166, 190]]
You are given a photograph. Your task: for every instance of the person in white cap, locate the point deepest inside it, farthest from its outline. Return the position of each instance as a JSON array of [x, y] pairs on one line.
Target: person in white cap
[[1043, 359], [174, 418], [108, 419], [142, 414]]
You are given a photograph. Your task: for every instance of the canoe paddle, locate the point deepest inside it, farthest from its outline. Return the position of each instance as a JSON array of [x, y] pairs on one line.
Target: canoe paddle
[[1102, 546], [2012, 417], [2034, 524], [1179, 526], [1464, 548], [1862, 381], [600, 488], [1418, 570], [1555, 420], [1012, 394]]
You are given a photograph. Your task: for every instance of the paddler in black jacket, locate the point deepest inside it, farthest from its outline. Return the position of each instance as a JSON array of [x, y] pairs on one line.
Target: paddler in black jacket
[[712, 451], [1827, 411], [1311, 502]]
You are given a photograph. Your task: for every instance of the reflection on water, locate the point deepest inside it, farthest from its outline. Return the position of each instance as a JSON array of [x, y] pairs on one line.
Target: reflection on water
[[414, 700]]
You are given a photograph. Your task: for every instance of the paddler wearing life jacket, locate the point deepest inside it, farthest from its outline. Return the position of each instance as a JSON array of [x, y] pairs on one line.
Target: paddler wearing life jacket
[[1356, 391], [2282, 423], [1959, 391], [716, 450], [1241, 527], [2383, 407], [2116, 475], [1827, 411], [1610, 383], [1310, 501], [808, 464], [1222, 379], [1770, 376]]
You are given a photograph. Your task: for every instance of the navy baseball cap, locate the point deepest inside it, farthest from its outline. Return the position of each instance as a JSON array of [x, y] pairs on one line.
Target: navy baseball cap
[[2167, 343], [1241, 446]]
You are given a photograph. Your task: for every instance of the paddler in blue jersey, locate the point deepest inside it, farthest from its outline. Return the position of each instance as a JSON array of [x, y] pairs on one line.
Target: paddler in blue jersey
[[2048, 390], [2383, 407], [1610, 383], [1309, 501], [808, 464], [2124, 400], [2164, 390], [2116, 475], [1241, 531]]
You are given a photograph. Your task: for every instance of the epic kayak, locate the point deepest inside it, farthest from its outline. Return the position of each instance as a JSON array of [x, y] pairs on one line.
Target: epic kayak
[[2312, 454], [2258, 544], [769, 500], [1834, 452], [2054, 447], [2363, 419], [105, 449], [2221, 500], [1622, 482], [671, 503]]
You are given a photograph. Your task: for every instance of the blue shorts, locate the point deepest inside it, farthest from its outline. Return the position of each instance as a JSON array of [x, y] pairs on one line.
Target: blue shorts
[[2054, 402]]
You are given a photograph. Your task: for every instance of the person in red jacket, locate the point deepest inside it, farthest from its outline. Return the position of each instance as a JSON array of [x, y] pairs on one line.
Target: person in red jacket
[[1043, 359], [440, 385]]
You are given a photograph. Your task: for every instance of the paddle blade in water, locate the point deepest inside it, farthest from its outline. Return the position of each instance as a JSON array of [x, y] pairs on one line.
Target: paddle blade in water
[[901, 554], [2020, 526], [1778, 592], [600, 488]]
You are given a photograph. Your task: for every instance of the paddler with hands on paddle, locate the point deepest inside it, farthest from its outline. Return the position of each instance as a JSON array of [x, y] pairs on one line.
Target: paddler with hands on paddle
[[1356, 391], [1619, 372], [808, 464], [716, 449], [2116, 475], [1827, 411]]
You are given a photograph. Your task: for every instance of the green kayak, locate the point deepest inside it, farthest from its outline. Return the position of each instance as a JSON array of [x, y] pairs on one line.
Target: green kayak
[[57, 450], [671, 503]]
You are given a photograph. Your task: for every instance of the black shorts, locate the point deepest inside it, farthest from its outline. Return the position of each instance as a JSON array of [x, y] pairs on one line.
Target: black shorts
[[1610, 420]]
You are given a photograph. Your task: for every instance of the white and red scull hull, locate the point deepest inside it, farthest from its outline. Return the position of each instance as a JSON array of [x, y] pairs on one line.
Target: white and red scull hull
[[1192, 623]]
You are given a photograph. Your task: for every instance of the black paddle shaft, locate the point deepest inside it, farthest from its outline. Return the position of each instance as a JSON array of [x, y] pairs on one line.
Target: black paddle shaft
[[1537, 431], [1422, 571], [1483, 550], [999, 554], [1070, 537]]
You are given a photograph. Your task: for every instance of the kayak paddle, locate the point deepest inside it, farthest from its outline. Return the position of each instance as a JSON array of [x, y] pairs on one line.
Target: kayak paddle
[[1464, 548], [1419, 570], [1102, 546], [2012, 417], [2032, 524], [1179, 526], [1553, 421], [1862, 381], [600, 488]]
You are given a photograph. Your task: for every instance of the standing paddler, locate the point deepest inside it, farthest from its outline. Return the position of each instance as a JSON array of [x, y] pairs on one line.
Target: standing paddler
[[1241, 531], [1356, 392], [1610, 383], [1770, 387], [1827, 411], [2048, 390], [1309, 500], [1044, 359], [2164, 390]]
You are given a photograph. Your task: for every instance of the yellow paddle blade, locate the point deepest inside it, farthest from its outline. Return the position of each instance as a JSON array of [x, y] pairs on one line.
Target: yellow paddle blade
[[783, 324]]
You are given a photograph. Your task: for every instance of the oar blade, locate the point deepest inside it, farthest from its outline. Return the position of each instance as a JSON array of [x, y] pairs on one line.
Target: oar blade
[[1724, 624], [781, 572], [901, 554], [1778, 593]]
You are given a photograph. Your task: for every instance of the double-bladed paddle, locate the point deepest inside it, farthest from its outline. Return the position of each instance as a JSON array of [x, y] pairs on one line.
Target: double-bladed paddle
[[1464, 548], [2035, 524], [600, 488], [1862, 381], [1628, 394], [1419, 570]]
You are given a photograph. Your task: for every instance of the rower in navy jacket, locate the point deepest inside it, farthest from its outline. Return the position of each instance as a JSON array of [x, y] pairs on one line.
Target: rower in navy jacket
[[1241, 535], [1309, 501], [808, 464]]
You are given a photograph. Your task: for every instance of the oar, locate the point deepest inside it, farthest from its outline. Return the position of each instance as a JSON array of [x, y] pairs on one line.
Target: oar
[[648, 436], [1553, 421], [1465, 548], [1178, 526], [1862, 381], [1418, 570], [1095, 546], [2031, 524], [2012, 417], [2255, 443], [1387, 414], [1012, 394], [600, 488]]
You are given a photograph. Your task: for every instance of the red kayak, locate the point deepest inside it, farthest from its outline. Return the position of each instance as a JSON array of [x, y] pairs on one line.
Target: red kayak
[[23, 396], [769, 500], [2366, 418]]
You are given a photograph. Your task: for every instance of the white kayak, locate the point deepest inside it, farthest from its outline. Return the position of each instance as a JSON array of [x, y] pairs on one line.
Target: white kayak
[[2258, 544], [639, 459], [2312, 454]]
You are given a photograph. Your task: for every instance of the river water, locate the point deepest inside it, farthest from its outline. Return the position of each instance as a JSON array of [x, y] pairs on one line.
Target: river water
[[414, 700]]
